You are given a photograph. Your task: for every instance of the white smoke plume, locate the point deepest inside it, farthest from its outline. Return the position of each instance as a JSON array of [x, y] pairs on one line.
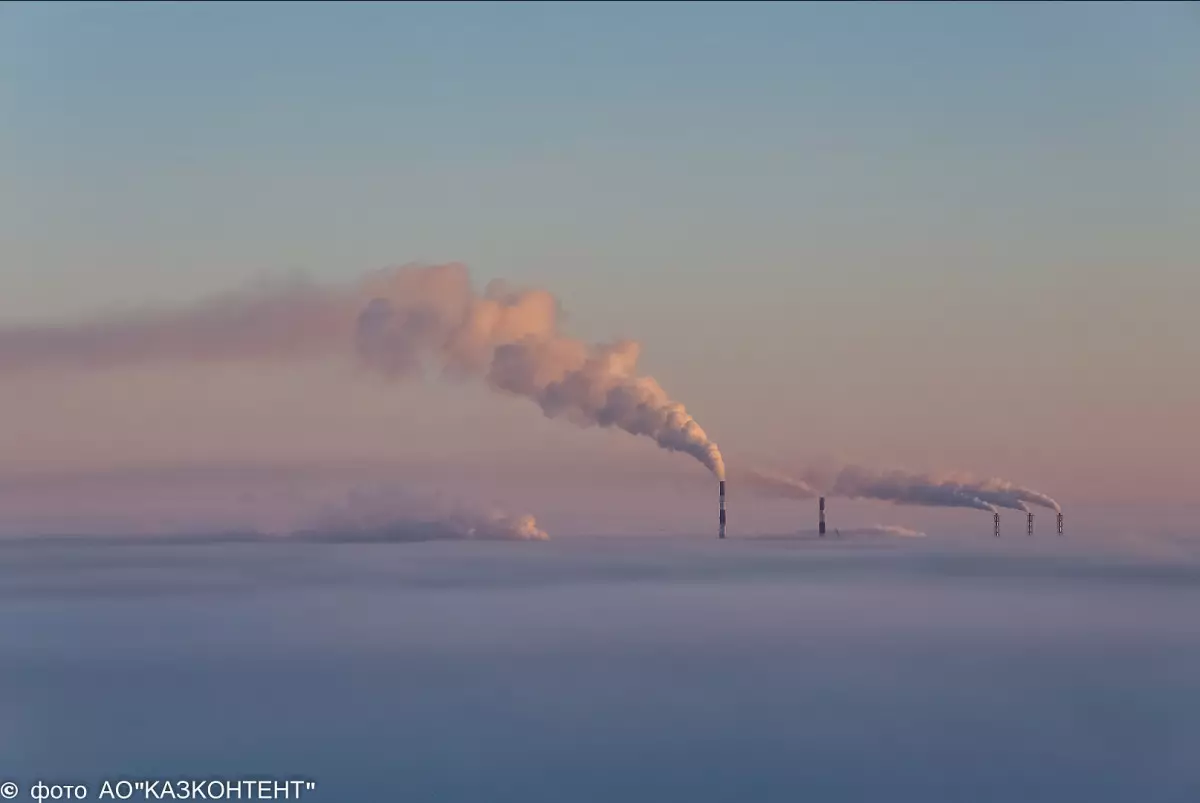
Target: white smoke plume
[[854, 482], [397, 321], [1006, 494], [901, 487], [994, 492], [600, 385]]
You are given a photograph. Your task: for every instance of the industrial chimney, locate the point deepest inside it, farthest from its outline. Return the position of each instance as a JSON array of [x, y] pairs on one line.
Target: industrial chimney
[[1060, 524], [996, 525], [821, 521], [721, 532], [1029, 524]]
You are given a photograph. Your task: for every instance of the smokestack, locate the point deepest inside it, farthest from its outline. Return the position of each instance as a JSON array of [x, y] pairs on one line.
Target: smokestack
[[721, 532], [996, 525], [1029, 524], [821, 523], [1060, 525]]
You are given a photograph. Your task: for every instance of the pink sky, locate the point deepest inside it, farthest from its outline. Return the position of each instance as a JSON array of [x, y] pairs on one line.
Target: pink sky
[[178, 447]]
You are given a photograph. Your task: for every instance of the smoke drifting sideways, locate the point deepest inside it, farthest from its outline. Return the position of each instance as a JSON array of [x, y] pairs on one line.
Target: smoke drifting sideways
[[191, 509], [903, 488], [1003, 493], [387, 516], [399, 322], [885, 529], [772, 484], [897, 486], [871, 531]]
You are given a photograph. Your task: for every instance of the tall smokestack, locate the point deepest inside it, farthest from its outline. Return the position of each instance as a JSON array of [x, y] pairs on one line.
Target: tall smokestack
[[1029, 524], [996, 525], [1060, 524], [721, 532], [821, 522]]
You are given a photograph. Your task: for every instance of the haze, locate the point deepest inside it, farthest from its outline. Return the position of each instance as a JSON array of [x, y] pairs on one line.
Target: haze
[[936, 237]]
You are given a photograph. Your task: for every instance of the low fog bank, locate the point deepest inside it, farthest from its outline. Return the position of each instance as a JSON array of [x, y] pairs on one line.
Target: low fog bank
[[436, 554], [612, 668], [380, 511]]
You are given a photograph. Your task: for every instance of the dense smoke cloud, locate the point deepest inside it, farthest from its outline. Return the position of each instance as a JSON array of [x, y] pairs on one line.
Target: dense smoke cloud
[[599, 384], [399, 322]]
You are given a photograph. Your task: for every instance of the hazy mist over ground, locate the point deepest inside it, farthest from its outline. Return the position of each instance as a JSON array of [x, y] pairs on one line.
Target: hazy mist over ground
[[608, 669]]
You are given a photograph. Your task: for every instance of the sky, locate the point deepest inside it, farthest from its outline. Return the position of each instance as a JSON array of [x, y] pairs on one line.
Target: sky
[[943, 237]]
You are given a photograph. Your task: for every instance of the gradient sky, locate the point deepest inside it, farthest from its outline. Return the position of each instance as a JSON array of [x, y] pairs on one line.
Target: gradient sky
[[934, 236]]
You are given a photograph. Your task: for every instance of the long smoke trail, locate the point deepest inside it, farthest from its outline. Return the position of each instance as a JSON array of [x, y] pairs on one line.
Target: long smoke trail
[[398, 321], [901, 487], [772, 484], [885, 529], [892, 530], [482, 527], [1006, 494], [249, 504]]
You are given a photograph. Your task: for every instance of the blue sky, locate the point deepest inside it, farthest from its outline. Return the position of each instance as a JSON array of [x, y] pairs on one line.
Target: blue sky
[[326, 137], [962, 224]]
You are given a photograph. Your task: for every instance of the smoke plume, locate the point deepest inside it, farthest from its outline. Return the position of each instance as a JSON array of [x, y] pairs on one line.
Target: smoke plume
[[910, 488], [903, 488], [249, 503], [1003, 493], [900, 487], [384, 514], [772, 484], [890, 530], [886, 529], [399, 322]]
